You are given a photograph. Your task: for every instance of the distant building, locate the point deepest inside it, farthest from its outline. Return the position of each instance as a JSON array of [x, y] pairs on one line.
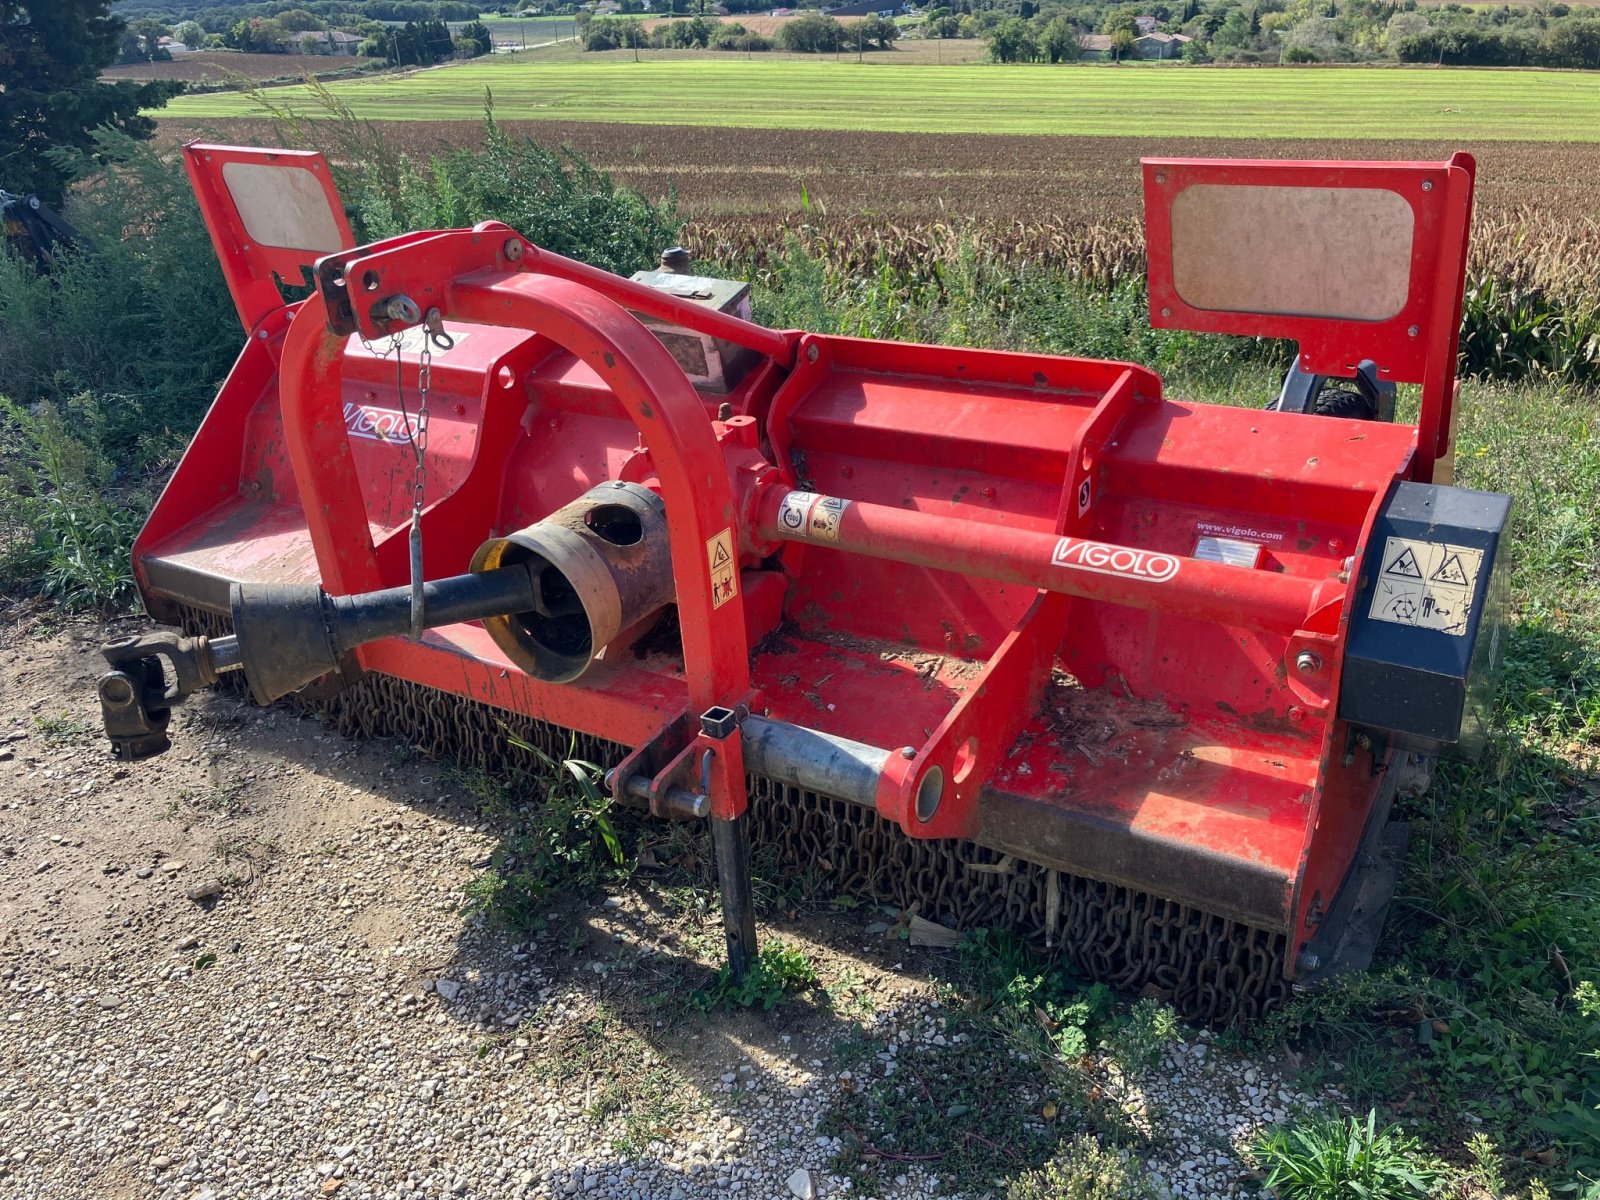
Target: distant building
[[1161, 45], [1146, 24], [869, 8], [174, 46], [1149, 45], [324, 41]]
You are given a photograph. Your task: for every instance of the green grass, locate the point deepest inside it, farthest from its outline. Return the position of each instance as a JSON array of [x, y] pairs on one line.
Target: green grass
[[1150, 100], [498, 22], [535, 30]]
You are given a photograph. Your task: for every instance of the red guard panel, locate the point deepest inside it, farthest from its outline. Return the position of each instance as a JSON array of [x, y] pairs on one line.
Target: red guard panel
[[1413, 341], [270, 213]]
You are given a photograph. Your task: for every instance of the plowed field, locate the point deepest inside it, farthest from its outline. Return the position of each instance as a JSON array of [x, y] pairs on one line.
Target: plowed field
[[954, 177]]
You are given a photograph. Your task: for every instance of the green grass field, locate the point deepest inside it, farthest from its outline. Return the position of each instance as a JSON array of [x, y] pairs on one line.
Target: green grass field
[[538, 28], [1150, 100]]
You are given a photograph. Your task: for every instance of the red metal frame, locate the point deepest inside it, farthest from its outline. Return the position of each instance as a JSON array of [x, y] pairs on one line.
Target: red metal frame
[[1006, 596]]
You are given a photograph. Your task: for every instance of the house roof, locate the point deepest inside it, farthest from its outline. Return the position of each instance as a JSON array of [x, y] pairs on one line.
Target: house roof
[[1101, 42]]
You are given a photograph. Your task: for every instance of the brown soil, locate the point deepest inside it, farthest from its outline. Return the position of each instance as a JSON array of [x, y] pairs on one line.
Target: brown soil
[[218, 66]]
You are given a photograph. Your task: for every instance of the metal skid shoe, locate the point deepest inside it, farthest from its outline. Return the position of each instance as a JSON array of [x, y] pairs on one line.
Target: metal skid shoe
[[730, 844], [1155, 658]]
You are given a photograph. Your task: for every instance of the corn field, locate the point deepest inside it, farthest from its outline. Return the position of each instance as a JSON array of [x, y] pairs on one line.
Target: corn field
[[918, 210]]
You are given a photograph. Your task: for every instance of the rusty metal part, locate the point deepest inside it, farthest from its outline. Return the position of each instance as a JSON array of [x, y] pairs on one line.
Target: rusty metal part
[[150, 672], [599, 565]]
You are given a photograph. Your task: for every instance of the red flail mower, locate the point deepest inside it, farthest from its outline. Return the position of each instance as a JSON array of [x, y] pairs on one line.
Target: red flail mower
[[1014, 638]]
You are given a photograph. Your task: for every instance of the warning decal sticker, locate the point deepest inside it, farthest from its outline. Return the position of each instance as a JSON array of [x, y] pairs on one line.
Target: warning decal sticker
[[724, 568], [1404, 563], [1426, 584], [812, 516]]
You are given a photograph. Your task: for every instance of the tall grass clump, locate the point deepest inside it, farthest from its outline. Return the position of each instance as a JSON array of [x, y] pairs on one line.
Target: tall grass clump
[[66, 529], [552, 196], [139, 316], [107, 364]]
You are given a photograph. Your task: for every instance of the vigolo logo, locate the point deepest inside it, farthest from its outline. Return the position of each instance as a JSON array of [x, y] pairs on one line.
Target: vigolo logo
[[378, 424], [1115, 560]]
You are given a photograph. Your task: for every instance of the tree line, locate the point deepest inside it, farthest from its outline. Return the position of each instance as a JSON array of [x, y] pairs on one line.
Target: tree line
[[1281, 31], [811, 33], [216, 16], [297, 30]]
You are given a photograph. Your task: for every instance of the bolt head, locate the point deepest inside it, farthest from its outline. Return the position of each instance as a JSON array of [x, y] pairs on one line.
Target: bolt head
[[908, 752], [1309, 662], [513, 249], [811, 354]]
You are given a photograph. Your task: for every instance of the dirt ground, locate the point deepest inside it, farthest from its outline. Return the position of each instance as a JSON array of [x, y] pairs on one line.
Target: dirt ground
[[327, 1017]]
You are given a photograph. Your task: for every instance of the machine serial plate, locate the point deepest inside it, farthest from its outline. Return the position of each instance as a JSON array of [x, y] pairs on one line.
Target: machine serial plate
[[1426, 584]]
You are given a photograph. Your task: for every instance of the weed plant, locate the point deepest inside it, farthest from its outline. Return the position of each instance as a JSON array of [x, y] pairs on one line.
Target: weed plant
[[551, 196], [1345, 1158], [1083, 1169], [778, 972], [567, 844], [65, 525]]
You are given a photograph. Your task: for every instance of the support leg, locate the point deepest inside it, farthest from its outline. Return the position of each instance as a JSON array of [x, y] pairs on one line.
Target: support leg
[[730, 841]]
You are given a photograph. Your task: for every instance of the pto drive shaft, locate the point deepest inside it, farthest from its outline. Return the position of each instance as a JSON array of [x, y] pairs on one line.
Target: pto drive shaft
[[286, 635]]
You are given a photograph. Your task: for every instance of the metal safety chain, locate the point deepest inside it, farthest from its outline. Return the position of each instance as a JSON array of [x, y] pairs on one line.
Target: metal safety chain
[[403, 308], [418, 438]]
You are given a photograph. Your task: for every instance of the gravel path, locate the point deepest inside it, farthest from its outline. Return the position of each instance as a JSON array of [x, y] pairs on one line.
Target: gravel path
[[324, 1020]]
